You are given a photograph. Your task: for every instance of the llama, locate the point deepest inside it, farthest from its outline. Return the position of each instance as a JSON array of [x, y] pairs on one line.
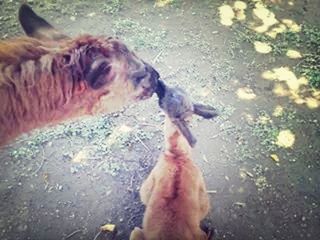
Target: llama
[[48, 78]]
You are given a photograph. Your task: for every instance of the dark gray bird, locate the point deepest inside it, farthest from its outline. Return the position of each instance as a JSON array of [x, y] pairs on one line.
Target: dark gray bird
[[177, 104]]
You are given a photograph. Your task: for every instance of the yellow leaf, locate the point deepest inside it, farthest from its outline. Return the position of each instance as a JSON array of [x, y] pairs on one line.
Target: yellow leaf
[[108, 228], [275, 157]]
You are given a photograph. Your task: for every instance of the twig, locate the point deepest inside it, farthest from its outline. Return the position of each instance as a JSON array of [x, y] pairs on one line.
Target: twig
[[139, 139], [211, 191], [41, 164], [170, 75], [72, 234], [97, 235], [130, 188], [151, 125], [218, 134], [156, 58]]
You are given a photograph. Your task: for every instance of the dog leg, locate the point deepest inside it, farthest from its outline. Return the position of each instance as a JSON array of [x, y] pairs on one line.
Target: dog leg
[[137, 234]]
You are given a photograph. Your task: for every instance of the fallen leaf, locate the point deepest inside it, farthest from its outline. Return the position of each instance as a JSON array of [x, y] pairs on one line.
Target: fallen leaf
[[240, 204], [249, 174], [211, 191], [275, 157], [108, 228]]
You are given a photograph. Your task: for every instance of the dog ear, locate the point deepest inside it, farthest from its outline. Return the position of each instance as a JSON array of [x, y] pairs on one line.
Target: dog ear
[[35, 26], [96, 75], [205, 111]]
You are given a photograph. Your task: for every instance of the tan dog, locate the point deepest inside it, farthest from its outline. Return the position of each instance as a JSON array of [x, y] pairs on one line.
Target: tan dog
[[174, 194], [48, 78]]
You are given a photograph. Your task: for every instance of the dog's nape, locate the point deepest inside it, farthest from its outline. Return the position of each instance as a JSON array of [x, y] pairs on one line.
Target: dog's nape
[[205, 111], [37, 27]]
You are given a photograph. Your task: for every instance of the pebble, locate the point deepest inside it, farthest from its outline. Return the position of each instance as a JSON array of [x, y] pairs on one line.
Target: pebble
[[73, 170], [22, 227]]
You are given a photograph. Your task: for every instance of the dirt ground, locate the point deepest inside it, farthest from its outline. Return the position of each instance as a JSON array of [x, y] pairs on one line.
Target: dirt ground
[[260, 157]]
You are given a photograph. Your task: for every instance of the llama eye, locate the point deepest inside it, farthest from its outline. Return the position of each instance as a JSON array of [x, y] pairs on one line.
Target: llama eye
[[139, 79]]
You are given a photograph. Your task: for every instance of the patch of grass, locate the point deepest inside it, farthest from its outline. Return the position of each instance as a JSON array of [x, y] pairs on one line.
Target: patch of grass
[[310, 65], [308, 41], [94, 130], [112, 6], [266, 131], [139, 36]]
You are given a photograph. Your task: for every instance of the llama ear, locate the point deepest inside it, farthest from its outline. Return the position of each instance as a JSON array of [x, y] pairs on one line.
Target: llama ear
[[37, 27], [96, 75], [205, 111]]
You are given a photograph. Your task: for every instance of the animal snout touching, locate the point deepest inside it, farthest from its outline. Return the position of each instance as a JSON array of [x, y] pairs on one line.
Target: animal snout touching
[[154, 77], [147, 79]]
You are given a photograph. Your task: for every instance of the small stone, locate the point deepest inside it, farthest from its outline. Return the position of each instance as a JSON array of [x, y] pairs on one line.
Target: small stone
[[22, 227], [73, 170]]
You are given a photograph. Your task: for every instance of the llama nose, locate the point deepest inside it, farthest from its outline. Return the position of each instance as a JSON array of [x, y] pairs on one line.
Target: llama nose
[[154, 75]]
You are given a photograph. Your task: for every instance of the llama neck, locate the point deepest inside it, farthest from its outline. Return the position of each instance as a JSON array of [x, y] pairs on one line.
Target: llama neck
[[35, 93]]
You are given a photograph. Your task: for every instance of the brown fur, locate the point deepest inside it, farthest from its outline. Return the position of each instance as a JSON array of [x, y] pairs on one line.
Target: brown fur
[[174, 194], [45, 82]]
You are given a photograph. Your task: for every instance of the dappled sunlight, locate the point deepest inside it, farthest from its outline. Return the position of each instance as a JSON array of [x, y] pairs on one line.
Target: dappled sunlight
[[291, 3], [278, 111], [204, 91], [229, 14], [117, 133], [285, 139], [240, 8], [81, 157], [312, 103], [265, 16], [246, 93], [262, 47], [283, 74], [273, 33], [264, 119], [226, 15], [293, 87], [266, 22], [162, 3], [293, 54], [280, 91], [291, 25]]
